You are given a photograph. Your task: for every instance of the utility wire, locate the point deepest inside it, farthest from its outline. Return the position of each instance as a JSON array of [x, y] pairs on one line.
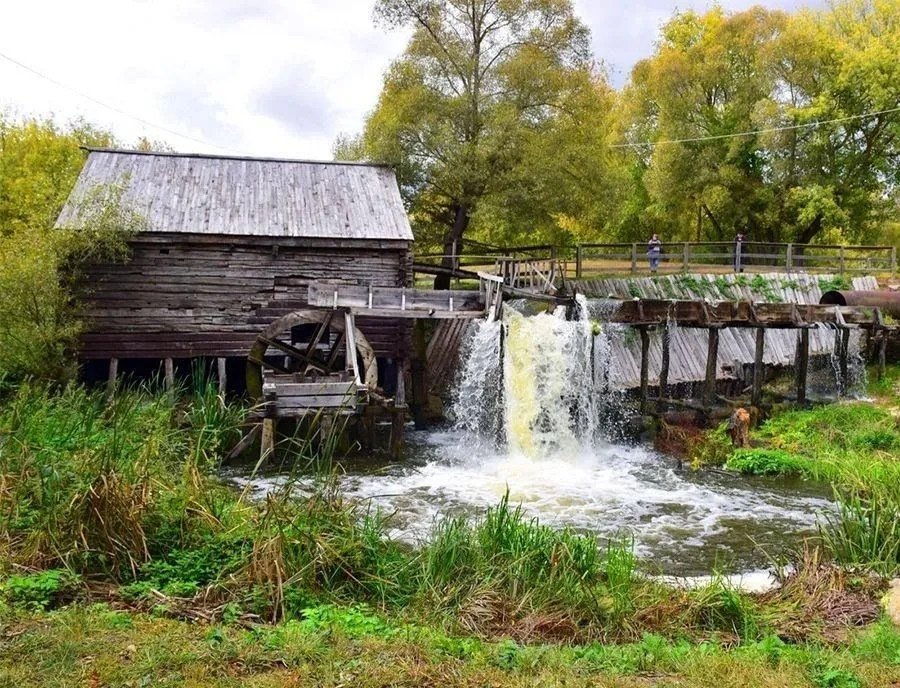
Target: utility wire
[[115, 109], [817, 123]]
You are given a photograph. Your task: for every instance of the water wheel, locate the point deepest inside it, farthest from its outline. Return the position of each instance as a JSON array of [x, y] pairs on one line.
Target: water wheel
[[324, 350]]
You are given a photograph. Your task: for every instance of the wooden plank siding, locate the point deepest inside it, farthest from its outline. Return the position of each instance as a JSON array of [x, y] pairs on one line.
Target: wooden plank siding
[[184, 295]]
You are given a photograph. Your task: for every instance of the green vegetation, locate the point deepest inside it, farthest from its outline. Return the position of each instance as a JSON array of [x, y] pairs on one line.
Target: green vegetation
[[502, 130], [853, 446], [40, 265], [124, 503]]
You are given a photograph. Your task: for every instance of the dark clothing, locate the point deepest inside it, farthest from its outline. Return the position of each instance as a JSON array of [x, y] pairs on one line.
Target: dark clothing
[[654, 248], [739, 262]]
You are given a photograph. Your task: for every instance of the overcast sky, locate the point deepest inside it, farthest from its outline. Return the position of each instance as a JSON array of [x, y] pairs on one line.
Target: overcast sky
[[256, 77]]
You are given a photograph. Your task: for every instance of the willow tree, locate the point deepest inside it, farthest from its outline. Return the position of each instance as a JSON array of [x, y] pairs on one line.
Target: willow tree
[[458, 109]]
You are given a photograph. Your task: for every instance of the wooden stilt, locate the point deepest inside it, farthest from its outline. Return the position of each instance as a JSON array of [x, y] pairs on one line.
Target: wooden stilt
[[801, 363], [664, 368], [419, 374], [882, 353], [111, 380], [169, 377], [645, 368], [267, 441], [399, 412], [222, 377], [712, 356], [843, 359], [758, 367]]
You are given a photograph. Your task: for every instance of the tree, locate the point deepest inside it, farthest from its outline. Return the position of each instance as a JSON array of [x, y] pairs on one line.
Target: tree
[[818, 170], [40, 263], [462, 107]]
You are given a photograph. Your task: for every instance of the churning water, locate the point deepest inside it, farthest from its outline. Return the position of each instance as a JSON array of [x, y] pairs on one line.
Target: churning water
[[528, 412]]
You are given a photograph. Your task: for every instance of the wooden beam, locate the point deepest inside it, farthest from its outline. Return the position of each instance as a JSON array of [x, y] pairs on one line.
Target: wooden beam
[[882, 353], [111, 379], [843, 359], [801, 363], [758, 367], [664, 369], [400, 396], [645, 366], [267, 442], [221, 375], [712, 355], [169, 377]]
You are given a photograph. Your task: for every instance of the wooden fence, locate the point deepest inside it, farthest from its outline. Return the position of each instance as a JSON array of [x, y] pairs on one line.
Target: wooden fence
[[590, 260]]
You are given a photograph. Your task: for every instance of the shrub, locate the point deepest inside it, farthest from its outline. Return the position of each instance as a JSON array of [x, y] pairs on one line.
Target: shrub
[[764, 462], [41, 590]]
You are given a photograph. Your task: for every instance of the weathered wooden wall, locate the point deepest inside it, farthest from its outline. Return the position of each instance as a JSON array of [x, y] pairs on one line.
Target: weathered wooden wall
[[186, 295]]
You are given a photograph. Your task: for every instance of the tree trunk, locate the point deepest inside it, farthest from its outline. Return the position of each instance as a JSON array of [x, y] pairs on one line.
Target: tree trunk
[[452, 239], [807, 234]]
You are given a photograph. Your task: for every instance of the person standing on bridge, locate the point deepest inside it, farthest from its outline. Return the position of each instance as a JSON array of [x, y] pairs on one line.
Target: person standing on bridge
[[739, 252], [654, 249]]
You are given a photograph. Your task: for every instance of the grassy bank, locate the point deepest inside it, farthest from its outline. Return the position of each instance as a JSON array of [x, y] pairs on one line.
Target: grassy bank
[[122, 505], [99, 646], [852, 445]]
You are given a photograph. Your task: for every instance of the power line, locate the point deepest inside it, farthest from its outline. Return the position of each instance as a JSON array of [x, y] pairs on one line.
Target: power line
[[817, 123], [115, 109]]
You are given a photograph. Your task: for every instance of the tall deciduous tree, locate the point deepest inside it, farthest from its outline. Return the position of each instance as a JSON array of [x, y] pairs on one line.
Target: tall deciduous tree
[[817, 170], [459, 108]]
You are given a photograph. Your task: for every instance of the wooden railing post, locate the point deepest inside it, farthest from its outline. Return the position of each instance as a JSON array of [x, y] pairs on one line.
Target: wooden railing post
[[893, 261], [634, 258], [685, 256], [841, 260], [789, 258], [579, 257]]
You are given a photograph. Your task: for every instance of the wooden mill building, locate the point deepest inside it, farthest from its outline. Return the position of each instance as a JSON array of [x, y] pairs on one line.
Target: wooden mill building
[[230, 246]]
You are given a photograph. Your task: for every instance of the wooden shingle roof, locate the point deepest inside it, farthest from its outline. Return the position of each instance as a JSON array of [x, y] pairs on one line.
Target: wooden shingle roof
[[238, 196]]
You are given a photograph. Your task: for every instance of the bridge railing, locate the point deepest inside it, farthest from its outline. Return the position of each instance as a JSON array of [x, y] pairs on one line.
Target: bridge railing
[[727, 256], [593, 259]]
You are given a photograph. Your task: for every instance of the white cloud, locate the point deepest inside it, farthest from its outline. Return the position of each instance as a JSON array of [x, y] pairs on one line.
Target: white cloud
[[263, 77]]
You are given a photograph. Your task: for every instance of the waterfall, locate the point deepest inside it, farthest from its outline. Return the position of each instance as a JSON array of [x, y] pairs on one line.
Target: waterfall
[[545, 399]]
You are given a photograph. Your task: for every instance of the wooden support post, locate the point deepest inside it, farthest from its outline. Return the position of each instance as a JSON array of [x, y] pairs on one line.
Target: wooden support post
[[664, 368], [893, 262], [843, 359], [634, 252], [645, 368], [221, 375], [267, 441], [111, 380], [841, 259], [712, 356], [685, 256], [419, 373], [801, 364], [579, 257], [758, 367], [789, 258], [882, 353], [169, 377]]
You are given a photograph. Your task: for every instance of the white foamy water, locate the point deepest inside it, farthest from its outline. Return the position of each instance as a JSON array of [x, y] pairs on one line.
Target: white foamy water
[[528, 421]]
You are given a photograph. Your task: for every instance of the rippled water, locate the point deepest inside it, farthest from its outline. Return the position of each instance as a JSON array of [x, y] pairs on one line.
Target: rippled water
[[683, 522], [529, 419]]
